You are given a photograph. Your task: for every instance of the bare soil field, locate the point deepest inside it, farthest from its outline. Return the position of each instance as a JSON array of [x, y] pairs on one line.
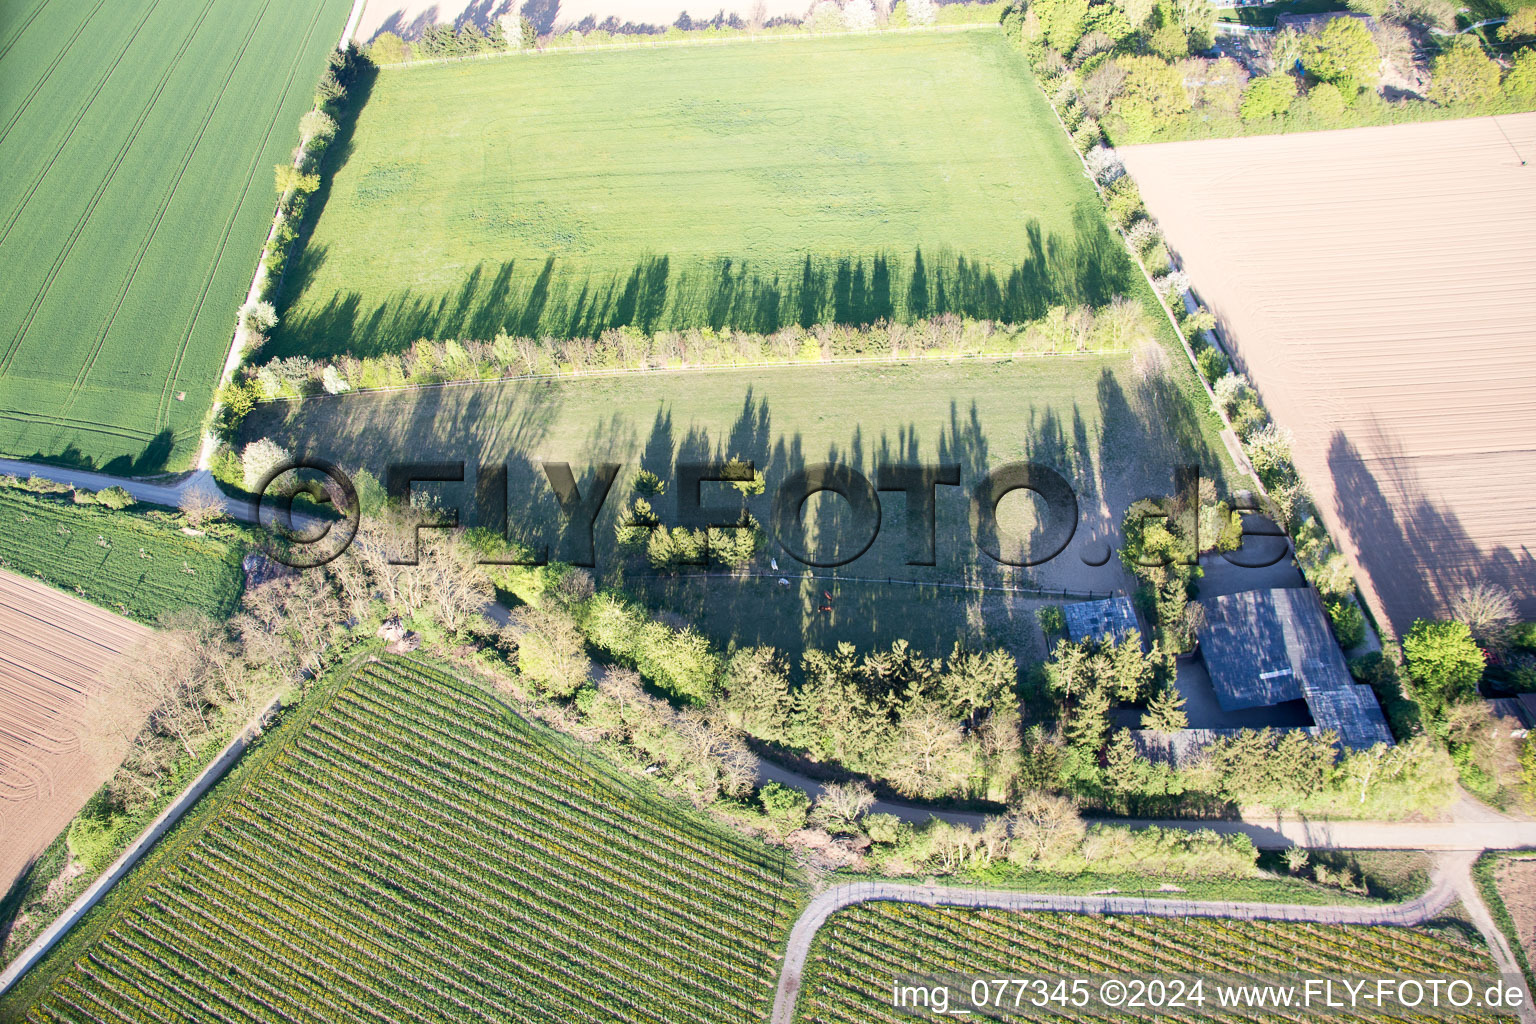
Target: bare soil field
[[1516, 879], [1378, 285], [53, 649]]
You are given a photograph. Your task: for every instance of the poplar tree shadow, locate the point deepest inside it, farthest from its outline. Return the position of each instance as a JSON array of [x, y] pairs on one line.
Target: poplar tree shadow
[[1416, 552], [552, 298]]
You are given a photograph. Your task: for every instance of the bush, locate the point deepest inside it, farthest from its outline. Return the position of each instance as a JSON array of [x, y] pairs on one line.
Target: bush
[[1342, 53], [1326, 102], [1464, 76], [1520, 82], [1213, 365], [1052, 619], [114, 497], [259, 316], [1348, 623], [1444, 661], [388, 48], [1269, 96], [259, 458]]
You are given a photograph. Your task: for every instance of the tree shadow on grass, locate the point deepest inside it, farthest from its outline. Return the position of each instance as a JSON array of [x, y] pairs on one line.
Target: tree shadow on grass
[[550, 297]]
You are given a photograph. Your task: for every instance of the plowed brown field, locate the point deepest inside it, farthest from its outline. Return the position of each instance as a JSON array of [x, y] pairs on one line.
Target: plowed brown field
[[1379, 287], [53, 650]]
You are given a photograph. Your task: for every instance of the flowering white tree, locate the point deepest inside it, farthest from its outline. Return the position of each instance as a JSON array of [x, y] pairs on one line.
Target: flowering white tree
[[922, 12], [859, 15], [259, 458], [333, 382], [259, 316], [1231, 390], [1269, 448], [1104, 165], [826, 16]]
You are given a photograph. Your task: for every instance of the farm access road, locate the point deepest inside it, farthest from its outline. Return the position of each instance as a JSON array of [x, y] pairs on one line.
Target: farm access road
[[1450, 880]]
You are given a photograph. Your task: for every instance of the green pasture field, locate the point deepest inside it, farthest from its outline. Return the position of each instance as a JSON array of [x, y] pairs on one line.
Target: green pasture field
[[406, 848], [753, 186], [860, 950], [137, 141], [1113, 436], [124, 560]]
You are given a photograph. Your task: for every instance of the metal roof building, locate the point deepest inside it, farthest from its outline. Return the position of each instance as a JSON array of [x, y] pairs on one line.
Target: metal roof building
[[1101, 620], [1262, 647]]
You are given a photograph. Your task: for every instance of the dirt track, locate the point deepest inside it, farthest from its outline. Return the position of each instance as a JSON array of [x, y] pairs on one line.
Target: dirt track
[[52, 651], [1379, 286]]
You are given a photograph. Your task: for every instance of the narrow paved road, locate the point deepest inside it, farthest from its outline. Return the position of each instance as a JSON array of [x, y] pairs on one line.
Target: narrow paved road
[[1451, 879], [167, 493]]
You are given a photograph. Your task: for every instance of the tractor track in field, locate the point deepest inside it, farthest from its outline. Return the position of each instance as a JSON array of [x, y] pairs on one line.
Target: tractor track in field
[[93, 426], [162, 411], [85, 108], [21, 31], [117, 163], [122, 296], [42, 80]]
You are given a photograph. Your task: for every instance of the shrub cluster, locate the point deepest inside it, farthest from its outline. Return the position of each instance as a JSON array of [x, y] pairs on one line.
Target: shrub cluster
[[1127, 70]]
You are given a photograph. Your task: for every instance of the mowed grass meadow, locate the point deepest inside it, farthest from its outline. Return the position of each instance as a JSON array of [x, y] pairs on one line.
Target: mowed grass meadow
[[752, 186], [137, 141]]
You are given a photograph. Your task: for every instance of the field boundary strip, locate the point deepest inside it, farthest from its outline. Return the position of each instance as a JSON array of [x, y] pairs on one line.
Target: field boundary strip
[[42, 80], [84, 373], [232, 353], [622, 371], [42, 175], [663, 43], [101, 190], [162, 410], [1228, 434]]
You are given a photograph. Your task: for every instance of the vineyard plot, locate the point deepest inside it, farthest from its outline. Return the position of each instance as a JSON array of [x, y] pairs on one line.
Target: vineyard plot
[[860, 950], [137, 141], [417, 853]]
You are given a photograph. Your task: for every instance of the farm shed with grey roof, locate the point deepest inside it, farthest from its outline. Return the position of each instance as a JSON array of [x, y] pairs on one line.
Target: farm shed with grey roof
[[1262, 647]]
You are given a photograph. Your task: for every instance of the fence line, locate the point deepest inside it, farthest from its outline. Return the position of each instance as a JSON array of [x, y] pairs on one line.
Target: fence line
[[761, 37], [1061, 592], [619, 371]]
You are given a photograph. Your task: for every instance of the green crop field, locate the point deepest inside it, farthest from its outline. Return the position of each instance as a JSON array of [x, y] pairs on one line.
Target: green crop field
[[407, 849], [121, 560], [754, 185], [137, 141], [861, 950], [1114, 436]]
